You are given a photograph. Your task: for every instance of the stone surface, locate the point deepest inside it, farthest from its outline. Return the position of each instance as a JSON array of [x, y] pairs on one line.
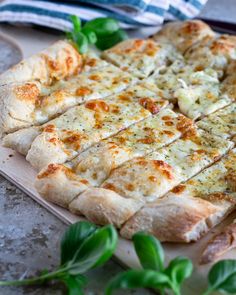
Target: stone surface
[[29, 242]]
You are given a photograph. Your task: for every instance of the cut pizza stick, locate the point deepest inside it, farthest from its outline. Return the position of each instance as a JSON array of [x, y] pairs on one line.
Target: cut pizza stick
[[183, 34], [219, 244], [191, 208], [145, 179], [221, 123], [80, 127], [94, 165], [141, 57], [211, 52], [33, 103], [59, 61], [196, 92]]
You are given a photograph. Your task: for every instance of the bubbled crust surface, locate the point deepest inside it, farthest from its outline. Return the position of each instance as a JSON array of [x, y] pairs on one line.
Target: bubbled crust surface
[[103, 206], [58, 184], [184, 34], [59, 61]]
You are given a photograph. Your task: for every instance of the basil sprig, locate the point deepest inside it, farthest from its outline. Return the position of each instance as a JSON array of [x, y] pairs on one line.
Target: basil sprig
[[103, 32], [222, 277], [83, 247], [154, 274]]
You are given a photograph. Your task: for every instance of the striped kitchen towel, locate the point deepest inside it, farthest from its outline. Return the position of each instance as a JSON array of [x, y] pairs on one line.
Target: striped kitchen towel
[[130, 13]]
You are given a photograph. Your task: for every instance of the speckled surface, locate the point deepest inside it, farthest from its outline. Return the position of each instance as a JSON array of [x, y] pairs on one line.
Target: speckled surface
[[29, 242], [30, 235]]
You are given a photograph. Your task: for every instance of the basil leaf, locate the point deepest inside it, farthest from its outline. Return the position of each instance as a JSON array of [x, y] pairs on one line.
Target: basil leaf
[[76, 23], [222, 276], [109, 41], [73, 239], [95, 250], [103, 25], [81, 42], [149, 251], [138, 279], [178, 270], [91, 35], [74, 284]]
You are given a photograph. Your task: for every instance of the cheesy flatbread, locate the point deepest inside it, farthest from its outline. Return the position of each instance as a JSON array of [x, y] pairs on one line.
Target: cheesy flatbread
[[183, 34], [59, 61], [221, 123], [196, 92], [141, 57], [192, 208], [68, 135], [33, 103], [148, 178], [212, 52], [94, 165]]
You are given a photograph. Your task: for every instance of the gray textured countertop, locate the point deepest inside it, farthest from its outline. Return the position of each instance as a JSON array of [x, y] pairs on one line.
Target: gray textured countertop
[[30, 235]]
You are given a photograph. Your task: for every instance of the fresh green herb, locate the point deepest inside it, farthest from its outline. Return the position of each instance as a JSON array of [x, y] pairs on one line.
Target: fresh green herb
[[83, 247], [154, 275], [109, 41], [104, 32], [103, 25], [222, 277]]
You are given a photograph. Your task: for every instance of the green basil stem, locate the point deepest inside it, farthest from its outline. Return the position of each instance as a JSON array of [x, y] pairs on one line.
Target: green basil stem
[[35, 280], [208, 291]]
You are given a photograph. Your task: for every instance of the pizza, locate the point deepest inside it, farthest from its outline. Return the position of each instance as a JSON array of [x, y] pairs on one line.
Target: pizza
[[184, 35], [196, 92], [141, 57], [192, 207], [147, 178], [221, 123], [77, 129], [141, 136], [139, 139], [24, 104]]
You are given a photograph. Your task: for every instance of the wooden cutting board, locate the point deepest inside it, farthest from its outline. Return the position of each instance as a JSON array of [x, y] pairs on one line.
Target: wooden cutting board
[[15, 168]]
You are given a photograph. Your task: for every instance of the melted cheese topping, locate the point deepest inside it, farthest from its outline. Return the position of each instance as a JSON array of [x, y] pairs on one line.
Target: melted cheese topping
[[221, 123], [82, 126], [197, 92], [141, 57], [96, 163], [214, 183], [213, 52], [92, 85], [152, 176]]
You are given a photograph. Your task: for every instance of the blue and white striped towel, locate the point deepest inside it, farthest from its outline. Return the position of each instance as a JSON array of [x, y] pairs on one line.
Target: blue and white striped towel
[[130, 13]]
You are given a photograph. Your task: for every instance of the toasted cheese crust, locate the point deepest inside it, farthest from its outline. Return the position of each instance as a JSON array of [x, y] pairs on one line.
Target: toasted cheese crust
[[68, 135], [32, 103], [213, 52], [141, 57], [94, 165], [59, 61], [146, 179], [191, 208], [183, 34], [221, 123], [152, 176], [197, 92]]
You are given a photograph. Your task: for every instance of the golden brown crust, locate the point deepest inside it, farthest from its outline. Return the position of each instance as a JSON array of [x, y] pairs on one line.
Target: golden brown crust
[[171, 219], [219, 244], [184, 34], [59, 185]]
